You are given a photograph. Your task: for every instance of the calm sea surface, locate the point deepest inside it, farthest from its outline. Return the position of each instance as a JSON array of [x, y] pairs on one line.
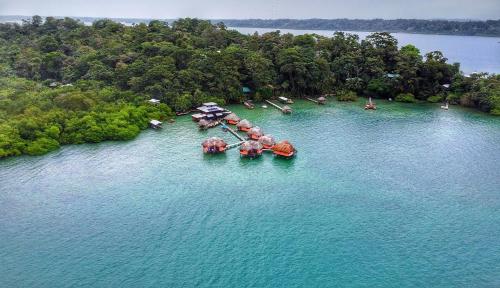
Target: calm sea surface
[[475, 54], [405, 196]]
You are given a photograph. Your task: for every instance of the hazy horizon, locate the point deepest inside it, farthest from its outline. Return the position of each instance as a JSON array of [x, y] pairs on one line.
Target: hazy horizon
[[258, 9]]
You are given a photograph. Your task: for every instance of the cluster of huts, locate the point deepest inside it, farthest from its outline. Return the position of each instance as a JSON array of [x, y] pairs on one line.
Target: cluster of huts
[[256, 143]]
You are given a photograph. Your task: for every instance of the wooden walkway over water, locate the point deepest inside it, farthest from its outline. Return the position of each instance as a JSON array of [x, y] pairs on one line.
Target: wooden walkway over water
[[224, 126], [312, 100], [282, 109]]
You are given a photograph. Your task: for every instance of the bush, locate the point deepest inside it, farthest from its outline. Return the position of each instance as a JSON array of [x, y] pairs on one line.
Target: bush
[[406, 98], [41, 146], [347, 96], [435, 99]]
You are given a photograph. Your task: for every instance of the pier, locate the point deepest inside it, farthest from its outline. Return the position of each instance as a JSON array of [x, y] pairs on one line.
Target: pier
[[285, 109], [224, 126], [312, 100], [231, 146]]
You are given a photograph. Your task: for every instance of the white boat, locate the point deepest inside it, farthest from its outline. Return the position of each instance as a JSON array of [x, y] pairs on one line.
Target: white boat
[[445, 107], [264, 106], [285, 100]]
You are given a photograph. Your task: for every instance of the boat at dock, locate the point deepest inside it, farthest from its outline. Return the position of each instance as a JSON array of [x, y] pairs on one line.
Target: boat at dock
[[370, 105], [249, 104], [285, 100]]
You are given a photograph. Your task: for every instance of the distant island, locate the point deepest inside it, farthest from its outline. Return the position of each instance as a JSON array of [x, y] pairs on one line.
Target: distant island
[[489, 28], [65, 82], [446, 27]]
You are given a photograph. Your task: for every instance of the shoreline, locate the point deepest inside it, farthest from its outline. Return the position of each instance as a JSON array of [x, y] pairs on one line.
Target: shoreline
[[359, 103]]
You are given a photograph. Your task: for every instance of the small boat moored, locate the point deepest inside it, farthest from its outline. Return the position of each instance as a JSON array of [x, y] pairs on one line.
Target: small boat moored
[[249, 104], [370, 105], [285, 100], [445, 107], [155, 124]]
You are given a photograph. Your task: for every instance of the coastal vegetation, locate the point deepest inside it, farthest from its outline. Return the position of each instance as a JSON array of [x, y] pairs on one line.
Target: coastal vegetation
[[63, 82]]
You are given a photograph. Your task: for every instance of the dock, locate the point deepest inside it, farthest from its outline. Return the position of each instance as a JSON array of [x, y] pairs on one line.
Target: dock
[[284, 109], [224, 126], [231, 146], [312, 100]]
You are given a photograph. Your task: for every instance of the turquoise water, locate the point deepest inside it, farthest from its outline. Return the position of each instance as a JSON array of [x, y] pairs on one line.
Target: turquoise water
[[474, 53], [405, 196]]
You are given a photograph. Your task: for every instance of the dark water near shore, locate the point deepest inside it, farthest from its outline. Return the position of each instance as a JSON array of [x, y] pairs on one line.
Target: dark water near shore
[[405, 196], [474, 53]]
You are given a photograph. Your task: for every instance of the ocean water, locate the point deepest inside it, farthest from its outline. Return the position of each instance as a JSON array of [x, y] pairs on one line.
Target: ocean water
[[474, 53], [405, 196]]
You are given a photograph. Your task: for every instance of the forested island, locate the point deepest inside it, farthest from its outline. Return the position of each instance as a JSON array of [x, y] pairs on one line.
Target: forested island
[[446, 27], [63, 82]]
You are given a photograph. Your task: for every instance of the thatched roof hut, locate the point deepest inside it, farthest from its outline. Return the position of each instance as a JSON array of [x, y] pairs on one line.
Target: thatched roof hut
[[255, 133], [214, 145], [267, 141], [232, 119], [244, 125], [284, 148]]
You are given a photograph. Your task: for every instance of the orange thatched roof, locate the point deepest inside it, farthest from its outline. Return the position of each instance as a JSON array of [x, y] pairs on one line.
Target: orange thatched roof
[[284, 147]]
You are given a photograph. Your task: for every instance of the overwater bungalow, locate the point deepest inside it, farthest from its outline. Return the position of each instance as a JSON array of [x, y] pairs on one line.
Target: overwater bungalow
[[232, 119], [370, 105], [244, 125], [214, 145], [267, 141], [210, 111], [284, 149], [155, 124], [204, 124], [255, 133], [250, 149]]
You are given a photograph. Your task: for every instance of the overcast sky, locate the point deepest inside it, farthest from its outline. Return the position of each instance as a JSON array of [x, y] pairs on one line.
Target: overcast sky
[[425, 9]]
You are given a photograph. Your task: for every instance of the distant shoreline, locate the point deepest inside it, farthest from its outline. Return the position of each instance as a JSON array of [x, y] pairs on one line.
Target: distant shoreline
[[482, 28]]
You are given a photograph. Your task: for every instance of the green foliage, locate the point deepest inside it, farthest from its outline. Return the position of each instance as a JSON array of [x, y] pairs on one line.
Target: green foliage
[[435, 99], [406, 97], [113, 69], [347, 96]]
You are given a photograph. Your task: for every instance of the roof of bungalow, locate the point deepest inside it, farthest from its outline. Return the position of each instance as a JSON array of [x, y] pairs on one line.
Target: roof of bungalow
[[154, 101], [210, 109]]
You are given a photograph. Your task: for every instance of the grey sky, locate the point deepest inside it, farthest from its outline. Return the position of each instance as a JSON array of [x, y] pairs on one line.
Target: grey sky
[[451, 9]]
